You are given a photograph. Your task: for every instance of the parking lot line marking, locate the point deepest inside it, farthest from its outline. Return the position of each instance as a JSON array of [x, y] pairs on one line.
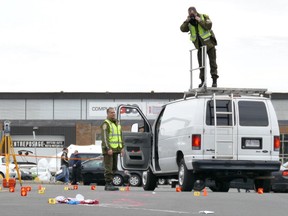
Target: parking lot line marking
[[143, 209]]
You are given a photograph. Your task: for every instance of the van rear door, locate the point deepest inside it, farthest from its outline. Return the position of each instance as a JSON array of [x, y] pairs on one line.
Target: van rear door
[[255, 130], [220, 130], [137, 137]]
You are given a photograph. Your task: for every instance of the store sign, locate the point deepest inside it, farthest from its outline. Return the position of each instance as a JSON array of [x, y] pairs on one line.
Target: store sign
[[38, 144], [99, 109]]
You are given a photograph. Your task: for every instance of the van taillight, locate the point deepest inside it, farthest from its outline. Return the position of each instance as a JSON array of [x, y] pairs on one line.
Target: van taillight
[[196, 142], [276, 143], [285, 173]]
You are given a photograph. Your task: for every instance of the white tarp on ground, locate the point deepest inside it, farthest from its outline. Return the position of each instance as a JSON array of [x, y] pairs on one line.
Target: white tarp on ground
[[55, 162]]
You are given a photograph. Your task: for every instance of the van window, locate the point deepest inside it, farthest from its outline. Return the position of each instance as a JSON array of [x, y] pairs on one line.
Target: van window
[[221, 106], [252, 113]]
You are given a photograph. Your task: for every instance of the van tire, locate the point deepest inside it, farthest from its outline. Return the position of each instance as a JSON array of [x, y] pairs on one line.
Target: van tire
[[149, 180], [185, 177], [220, 186]]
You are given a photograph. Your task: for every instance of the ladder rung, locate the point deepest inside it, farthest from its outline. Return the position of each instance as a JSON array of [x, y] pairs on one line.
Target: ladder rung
[[218, 98], [228, 113], [221, 126]]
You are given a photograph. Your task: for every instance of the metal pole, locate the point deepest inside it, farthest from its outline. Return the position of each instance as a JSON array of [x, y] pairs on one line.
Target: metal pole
[[191, 69], [35, 149]]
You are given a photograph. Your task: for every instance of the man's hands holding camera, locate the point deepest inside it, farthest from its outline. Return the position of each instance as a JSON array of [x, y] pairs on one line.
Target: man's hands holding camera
[[193, 19]]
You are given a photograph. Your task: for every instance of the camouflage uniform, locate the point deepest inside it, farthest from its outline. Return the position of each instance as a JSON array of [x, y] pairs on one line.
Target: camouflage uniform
[[110, 161], [210, 42]]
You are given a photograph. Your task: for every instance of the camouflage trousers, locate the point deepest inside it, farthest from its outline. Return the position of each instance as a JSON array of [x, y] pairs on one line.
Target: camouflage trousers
[[212, 60], [110, 166]]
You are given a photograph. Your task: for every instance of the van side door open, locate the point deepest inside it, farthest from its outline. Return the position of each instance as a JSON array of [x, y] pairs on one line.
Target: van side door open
[[137, 138]]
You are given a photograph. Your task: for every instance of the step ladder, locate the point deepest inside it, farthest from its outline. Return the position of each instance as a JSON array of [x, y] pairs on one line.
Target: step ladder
[[228, 142], [203, 65], [204, 90]]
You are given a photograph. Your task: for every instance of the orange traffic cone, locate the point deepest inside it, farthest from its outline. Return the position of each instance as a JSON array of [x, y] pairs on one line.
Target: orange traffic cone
[[205, 192], [260, 191], [178, 189]]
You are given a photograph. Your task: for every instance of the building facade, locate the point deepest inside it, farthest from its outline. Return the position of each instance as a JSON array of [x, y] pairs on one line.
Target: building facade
[[54, 120]]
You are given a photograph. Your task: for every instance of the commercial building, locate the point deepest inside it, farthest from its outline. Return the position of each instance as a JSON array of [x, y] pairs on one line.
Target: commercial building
[[60, 119]]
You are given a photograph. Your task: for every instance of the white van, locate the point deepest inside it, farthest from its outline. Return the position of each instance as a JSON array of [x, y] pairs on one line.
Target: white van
[[216, 134]]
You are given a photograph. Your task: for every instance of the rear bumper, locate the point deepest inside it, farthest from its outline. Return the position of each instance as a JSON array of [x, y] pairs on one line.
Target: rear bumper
[[231, 165]]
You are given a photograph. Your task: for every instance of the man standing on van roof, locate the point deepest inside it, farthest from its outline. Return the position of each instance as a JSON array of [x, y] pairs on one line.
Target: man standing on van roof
[[201, 34], [112, 145]]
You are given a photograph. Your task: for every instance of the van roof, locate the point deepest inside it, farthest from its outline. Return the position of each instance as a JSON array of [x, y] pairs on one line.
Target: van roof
[[247, 93], [207, 91]]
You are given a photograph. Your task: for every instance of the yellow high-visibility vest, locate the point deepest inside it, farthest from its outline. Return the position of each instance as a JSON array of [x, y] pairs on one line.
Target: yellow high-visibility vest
[[115, 138], [204, 34]]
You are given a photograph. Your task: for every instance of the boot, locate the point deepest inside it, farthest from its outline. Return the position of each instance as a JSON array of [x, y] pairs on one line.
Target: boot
[[110, 187], [202, 82], [214, 84]]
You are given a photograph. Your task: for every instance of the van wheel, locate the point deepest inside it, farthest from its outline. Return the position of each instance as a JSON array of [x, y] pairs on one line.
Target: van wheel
[[220, 186], [185, 177], [263, 183], [149, 180], [135, 180]]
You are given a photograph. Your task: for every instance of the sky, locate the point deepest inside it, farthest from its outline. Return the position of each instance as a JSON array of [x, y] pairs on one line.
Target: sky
[[137, 46]]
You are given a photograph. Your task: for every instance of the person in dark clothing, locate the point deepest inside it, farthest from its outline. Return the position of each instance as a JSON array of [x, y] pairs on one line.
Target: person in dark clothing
[[76, 165], [64, 175]]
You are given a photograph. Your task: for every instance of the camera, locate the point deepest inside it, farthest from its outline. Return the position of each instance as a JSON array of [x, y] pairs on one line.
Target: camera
[[192, 20], [6, 127]]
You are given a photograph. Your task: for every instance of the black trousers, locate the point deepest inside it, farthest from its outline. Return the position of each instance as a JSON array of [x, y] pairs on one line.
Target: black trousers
[[75, 175]]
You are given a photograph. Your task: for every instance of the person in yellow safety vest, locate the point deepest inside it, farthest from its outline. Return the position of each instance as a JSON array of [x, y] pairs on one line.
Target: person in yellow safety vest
[[112, 145], [201, 34]]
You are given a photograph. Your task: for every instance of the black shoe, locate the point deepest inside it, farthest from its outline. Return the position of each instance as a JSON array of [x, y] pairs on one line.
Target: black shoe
[[214, 78], [110, 187], [201, 84]]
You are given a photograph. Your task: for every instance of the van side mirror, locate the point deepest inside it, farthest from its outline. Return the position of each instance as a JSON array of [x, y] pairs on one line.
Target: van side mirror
[[134, 128]]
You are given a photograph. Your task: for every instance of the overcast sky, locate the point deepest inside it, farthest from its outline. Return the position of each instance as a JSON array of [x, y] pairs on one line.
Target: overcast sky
[[137, 46]]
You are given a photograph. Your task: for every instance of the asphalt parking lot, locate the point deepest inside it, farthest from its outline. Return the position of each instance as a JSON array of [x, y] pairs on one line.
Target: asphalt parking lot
[[163, 201]]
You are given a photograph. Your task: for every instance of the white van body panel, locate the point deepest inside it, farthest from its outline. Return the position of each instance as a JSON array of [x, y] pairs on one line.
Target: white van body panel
[[175, 132]]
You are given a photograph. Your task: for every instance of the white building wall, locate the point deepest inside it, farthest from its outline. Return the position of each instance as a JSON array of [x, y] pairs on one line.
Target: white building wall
[[281, 108], [12, 109], [39, 110]]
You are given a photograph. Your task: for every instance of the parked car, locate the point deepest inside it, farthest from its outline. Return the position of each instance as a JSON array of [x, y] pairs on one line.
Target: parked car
[[83, 157], [280, 181], [12, 170], [25, 174], [92, 171]]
